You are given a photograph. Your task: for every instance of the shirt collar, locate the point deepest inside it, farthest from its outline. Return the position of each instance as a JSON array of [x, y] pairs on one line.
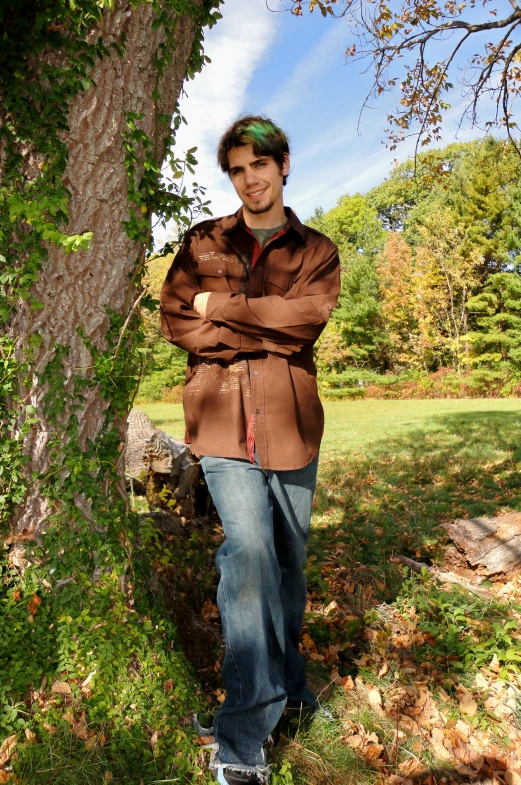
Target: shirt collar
[[232, 222]]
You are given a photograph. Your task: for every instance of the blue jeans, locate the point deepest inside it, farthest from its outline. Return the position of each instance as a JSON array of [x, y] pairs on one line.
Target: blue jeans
[[261, 598]]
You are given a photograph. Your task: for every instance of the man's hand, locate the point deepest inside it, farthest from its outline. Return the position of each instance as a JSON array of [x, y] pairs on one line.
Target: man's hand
[[200, 301]]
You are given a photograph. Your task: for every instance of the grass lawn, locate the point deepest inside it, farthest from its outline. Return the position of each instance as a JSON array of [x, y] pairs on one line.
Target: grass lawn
[[351, 425], [424, 679]]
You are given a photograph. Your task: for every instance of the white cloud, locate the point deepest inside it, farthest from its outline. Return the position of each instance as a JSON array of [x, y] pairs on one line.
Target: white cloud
[[339, 162], [236, 46], [328, 50]]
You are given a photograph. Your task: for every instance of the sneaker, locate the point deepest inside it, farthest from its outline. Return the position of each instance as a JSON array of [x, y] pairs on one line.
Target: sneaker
[[228, 774]]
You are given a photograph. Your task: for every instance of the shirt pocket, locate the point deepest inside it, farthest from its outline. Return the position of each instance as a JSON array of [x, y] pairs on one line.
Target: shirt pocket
[[220, 276], [277, 282]]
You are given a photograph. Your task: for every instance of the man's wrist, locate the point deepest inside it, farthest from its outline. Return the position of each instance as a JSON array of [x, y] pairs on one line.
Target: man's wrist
[[216, 305]]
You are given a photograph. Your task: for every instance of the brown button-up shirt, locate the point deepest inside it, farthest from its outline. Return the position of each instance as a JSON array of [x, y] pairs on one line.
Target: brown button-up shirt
[[250, 364]]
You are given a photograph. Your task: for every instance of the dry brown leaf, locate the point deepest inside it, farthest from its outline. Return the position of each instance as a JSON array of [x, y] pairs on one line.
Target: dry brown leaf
[[69, 717], [477, 761], [437, 743], [355, 741], [375, 699], [463, 753], [109, 776], [34, 604], [5, 776], [6, 750], [410, 725], [61, 688], [205, 740], [102, 739], [153, 739], [468, 705], [17, 595], [372, 752], [383, 670], [463, 730], [347, 683], [495, 763], [30, 736], [49, 728], [80, 728], [90, 742]]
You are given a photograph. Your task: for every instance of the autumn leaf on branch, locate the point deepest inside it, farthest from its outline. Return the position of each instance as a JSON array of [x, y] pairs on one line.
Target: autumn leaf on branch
[[403, 42]]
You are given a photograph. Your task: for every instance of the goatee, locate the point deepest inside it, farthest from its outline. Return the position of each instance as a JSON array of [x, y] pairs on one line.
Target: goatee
[[259, 210]]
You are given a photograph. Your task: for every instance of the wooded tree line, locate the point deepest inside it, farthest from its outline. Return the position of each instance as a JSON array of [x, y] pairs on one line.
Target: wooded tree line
[[431, 262], [430, 267]]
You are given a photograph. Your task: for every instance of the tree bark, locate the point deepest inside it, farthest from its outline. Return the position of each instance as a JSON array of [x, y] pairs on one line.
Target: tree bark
[[77, 289]]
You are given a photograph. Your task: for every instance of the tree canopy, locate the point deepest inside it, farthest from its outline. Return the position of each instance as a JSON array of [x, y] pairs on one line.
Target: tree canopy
[[430, 265], [417, 48]]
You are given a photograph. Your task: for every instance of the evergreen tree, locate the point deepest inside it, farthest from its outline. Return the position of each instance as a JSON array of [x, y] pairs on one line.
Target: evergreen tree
[[497, 337]]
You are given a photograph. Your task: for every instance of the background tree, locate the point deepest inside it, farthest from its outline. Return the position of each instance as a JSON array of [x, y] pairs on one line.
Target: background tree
[[497, 338], [398, 295], [415, 249], [353, 225], [445, 278]]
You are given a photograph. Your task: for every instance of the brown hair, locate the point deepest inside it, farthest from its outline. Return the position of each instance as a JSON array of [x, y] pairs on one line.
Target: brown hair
[[261, 132]]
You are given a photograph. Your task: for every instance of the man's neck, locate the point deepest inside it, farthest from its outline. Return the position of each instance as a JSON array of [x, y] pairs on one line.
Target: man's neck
[[268, 220]]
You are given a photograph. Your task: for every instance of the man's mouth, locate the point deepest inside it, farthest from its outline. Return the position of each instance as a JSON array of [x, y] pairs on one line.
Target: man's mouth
[[256, 194]]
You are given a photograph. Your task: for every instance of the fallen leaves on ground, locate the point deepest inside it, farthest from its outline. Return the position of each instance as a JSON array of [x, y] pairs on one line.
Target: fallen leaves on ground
[[7, 748], [61, 688]]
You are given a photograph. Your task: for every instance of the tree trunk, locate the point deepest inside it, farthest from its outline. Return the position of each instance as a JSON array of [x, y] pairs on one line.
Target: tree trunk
[[78, 290]]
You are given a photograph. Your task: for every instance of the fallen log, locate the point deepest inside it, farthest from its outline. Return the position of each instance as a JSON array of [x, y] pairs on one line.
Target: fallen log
[[164, 470], [493, 544]]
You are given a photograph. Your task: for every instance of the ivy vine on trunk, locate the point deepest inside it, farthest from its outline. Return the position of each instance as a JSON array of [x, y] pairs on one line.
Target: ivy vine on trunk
[[88, 111]]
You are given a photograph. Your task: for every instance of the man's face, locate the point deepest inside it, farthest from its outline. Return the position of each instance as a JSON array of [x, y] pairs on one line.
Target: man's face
[[257, 179]]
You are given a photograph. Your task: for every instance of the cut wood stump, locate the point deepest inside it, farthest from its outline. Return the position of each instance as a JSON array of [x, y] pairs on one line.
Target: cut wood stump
[[493, 544], [164, 470]]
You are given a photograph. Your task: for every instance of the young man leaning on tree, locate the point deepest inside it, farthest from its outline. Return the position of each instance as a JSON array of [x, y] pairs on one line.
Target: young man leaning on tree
[[247, 296]]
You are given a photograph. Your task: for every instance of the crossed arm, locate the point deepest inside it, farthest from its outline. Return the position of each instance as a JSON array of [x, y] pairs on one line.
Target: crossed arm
[[222, 325]]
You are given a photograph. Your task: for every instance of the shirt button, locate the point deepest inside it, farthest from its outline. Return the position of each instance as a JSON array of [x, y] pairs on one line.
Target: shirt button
[[257, 411], [255, 373], [219, 272]]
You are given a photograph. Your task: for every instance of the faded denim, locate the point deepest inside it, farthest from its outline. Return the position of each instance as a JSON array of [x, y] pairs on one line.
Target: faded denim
[[261, 597]]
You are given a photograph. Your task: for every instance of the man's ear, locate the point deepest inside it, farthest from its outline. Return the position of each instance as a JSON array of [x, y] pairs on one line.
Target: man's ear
[[285, 165]]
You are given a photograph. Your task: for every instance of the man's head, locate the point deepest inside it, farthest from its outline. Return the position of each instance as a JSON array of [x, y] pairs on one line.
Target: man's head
[[255, 153], [266, 138]]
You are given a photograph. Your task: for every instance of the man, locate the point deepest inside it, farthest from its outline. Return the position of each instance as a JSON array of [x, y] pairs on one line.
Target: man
[[247, 296]]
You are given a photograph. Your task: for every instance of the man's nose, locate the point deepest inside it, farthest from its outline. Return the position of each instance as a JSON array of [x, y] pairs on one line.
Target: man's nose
[[250, 176]]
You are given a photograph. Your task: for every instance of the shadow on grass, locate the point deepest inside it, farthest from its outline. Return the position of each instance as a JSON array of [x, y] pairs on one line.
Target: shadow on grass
[[391, 499]]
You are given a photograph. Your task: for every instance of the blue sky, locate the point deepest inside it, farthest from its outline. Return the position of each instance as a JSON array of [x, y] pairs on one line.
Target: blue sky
[[293, 69]]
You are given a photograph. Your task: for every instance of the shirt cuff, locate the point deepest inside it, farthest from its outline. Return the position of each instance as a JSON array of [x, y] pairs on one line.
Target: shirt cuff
[[215, 306]]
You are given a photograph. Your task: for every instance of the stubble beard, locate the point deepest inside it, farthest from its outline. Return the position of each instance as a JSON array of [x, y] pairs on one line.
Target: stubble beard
[[260, 209]]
